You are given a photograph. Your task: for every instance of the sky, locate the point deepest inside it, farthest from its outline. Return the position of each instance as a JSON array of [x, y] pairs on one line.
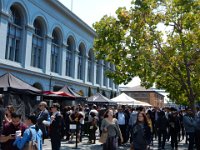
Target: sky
[[91, 11]]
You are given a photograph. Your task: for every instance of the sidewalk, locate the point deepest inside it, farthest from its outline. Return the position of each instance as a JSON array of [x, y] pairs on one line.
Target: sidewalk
[[82, 145], [181, 145], [85, 146]]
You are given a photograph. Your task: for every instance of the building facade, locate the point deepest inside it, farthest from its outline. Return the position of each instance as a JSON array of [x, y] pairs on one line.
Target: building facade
[[145, 95], [46, 45]]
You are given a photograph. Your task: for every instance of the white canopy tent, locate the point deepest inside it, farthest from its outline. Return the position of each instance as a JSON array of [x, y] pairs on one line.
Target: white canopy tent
[[124, 99]]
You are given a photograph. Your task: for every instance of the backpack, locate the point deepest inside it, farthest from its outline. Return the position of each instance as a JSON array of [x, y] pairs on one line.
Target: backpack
[[32, 144]]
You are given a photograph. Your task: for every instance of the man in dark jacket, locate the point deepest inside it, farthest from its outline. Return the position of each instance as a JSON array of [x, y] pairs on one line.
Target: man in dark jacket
[[174, 128], [43, 116], [56, 127], [162, 125]]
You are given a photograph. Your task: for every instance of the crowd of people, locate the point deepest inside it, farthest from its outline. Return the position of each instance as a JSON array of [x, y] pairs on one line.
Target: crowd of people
[[116, 125]]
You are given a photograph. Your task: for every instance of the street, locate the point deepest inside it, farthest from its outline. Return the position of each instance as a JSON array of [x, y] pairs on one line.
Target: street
[[85, 146]]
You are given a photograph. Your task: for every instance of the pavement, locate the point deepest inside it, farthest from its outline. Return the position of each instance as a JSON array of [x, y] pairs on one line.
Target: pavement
[[65, 145]]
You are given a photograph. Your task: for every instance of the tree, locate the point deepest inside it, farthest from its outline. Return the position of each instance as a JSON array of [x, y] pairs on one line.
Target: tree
[[157, 40]]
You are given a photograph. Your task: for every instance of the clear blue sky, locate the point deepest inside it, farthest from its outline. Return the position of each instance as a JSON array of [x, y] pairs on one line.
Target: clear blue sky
[[91, 11]]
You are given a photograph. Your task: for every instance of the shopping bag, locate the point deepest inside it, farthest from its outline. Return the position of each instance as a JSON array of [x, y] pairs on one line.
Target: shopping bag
[[103, 137]]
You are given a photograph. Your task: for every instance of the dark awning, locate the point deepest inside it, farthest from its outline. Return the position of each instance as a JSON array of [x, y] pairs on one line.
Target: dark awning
[[12, 84]]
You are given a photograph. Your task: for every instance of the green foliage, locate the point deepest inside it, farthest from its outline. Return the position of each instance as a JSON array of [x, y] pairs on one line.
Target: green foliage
[[157, 40]]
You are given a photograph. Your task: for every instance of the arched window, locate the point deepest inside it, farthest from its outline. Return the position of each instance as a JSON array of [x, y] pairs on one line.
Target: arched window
[[90, 66], [38, 86], [69, 57], [98, 72], [81, 63], [14, 35], [37, 44], [55, 47]]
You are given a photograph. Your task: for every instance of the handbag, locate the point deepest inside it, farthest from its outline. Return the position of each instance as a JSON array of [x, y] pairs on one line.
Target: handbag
[[103, 138], [31, 145]]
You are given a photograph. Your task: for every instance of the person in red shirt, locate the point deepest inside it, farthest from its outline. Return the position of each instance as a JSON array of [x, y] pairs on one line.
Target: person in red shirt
[[8, 134]]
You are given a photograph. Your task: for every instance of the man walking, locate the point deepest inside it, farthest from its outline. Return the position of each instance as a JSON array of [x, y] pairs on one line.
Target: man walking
[[189, 124]]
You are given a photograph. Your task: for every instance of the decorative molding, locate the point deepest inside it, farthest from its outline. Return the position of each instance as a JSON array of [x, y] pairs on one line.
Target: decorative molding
[[64, 45], [49, 37], [30, 28], [4, 15]]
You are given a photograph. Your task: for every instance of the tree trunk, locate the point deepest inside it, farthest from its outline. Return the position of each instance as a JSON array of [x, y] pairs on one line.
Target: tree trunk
[[192, 104]]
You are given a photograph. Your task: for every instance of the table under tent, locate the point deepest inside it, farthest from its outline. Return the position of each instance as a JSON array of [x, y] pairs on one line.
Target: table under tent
[[21, 95]]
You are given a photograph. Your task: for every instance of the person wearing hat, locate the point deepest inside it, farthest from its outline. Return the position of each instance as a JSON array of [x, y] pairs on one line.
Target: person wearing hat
[[32, 133]]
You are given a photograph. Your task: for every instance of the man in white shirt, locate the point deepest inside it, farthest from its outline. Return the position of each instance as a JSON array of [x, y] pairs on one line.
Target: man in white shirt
[[93, 112], [122, 122]]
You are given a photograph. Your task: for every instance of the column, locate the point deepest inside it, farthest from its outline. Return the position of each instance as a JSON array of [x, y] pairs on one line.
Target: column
[[102, 74], [94, 72], [107, 79], [28, 46], [86, 69], [76, 64], [63, 60], [3, 33], [47, 64]]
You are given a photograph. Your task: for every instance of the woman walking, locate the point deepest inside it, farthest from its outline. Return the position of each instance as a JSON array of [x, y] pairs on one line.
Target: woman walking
[[141, 133], [111, 127]]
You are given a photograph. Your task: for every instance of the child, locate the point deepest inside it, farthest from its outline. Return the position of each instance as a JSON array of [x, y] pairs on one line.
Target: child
[[92, 129]]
